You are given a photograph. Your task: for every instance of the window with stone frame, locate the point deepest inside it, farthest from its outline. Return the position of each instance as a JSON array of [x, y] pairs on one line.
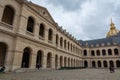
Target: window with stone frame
[[8, 15]]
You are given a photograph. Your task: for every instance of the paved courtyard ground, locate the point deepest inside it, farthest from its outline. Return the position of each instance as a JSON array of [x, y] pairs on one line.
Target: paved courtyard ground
[[78, 74]]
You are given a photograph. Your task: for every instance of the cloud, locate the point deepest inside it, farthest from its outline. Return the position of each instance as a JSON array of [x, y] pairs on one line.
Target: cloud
[[84, 19], [68, 5]]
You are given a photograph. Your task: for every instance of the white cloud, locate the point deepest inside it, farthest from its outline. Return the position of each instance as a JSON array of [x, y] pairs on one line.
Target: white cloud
[[90, 19]]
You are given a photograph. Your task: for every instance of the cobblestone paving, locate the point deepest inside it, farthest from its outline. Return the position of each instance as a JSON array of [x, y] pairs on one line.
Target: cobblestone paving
[[78, 74]]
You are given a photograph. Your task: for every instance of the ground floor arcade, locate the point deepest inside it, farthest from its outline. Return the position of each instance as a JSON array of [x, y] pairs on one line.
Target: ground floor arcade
[[102, 63], [22, 54]]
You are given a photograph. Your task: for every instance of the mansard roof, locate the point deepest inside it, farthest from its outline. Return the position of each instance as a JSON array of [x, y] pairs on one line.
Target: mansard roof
[[108, 41]]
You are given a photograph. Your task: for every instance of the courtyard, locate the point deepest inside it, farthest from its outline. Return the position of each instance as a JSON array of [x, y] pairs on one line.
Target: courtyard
[[77, 74]]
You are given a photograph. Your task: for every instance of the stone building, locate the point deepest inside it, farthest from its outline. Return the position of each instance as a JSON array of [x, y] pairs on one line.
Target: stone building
[[30, 36], [102, 53]]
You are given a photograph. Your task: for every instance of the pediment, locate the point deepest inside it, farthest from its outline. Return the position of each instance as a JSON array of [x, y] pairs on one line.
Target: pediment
[[42, 11]]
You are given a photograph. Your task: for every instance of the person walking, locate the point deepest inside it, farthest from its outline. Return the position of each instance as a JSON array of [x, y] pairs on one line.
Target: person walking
[[38, 66]]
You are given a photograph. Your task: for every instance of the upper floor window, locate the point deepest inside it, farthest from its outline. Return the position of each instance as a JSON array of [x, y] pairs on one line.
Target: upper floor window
[[98, 53], [50, 33], [68, 45], [65, 44], [41, 30], [71, 47], [30, 24], [8, 15], [61, 42], [116, 51], [109, 52], [103, 52], [57, 39], [92, 53], [85, 52]]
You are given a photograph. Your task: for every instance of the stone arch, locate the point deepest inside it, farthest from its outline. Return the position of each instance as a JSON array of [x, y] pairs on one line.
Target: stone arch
[[85, 52], [109, 52], [103, 52], [92, 53], [3, 51], [49, 60], [39, 59], [68, 62], [65, 62], [8, 15], [93, 64], [116, 51], [50, 34], [111, 63], [56, 60], [71, 47], [61, 61], [42, 30], [26, 57], [118, 64], [98, 52], [105, 64], [64, 44], [85, 64], [30, 24], [99, 64], [71, 62], [74, 63], [68, 45], [57, 39], [61, 42]]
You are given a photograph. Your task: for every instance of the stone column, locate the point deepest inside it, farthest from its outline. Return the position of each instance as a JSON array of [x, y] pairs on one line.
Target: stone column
[[58, 62], [46, 34], [1, 11], [36, 30], [54, 38], [114, 62], [113, 54], [33, 61], [44, 61], [17, 60], [22, 24]]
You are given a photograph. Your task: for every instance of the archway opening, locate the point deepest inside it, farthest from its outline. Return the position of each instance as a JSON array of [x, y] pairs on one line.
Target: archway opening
[[8, 15], [68, 62], [65, 61], [71, 62], [26, 58], [49, 60], [39, 58], [93, 64], [105, 64], [85, 64], [118, 64], [3, 49], [61, 61], [56, 61], [111, 64], [99, 64]]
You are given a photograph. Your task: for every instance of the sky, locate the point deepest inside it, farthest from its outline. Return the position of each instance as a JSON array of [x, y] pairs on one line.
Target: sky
[[84, 19]]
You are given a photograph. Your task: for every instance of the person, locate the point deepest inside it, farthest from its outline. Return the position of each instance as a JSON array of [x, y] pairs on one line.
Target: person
[[111, 68], [38, 66]]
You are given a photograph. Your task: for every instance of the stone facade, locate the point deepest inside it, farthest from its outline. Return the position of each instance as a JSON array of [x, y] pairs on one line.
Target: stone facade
[[29, 36]]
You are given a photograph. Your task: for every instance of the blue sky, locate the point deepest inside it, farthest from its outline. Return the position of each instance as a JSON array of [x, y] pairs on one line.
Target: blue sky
[[84, 19]]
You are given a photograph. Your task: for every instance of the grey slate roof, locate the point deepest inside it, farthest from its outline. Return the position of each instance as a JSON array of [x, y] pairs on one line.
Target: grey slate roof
[[108, 40]]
